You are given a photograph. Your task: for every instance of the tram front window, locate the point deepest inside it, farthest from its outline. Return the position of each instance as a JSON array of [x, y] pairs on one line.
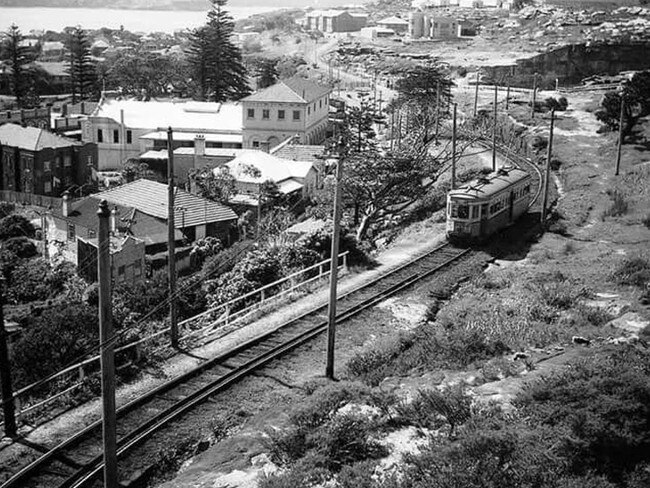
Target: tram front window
[[463, 211]]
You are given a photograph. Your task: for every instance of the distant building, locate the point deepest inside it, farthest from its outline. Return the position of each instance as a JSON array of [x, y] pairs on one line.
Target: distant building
[[38, 162], [293, 107], [252, 168], [376, 32], [52, 51], [396, 24], [433, 26], [328, 21], [124, 129], [32, 117]]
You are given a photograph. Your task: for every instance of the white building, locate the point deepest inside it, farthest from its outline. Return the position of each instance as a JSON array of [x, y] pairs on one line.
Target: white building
[[124, 129]]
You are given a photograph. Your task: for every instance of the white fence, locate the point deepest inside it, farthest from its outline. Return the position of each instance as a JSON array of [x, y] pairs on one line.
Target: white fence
[[197, 330]]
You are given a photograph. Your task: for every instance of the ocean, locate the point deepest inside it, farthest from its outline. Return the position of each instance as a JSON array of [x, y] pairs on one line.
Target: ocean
[[56, 19]]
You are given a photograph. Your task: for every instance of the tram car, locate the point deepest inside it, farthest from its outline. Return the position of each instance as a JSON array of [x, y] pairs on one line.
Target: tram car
[[488, 204]]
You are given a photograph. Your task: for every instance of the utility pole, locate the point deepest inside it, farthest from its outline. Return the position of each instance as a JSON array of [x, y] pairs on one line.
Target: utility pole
[[437, 111], [171, 240], [8, 405], [619, 149], [532, 107], [508, 95], [107, 345], [476, 95], [334, 264], [494, 130], [453, 151], [547, 172]]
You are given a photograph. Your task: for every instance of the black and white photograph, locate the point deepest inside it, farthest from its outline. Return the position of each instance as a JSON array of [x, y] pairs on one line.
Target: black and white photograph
[[325, 244]]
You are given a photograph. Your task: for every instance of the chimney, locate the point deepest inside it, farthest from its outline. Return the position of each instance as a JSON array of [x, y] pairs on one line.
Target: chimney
[[199, 145], [65, 204], [115, 214], [265, 146]]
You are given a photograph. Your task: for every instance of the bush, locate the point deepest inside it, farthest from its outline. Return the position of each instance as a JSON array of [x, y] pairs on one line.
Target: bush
[[6, 209], [559, 105], [225, 260], [16, 226], [203, 249], [31, 280], [132, 301], [22, 247], [618, 207], [60, 335], [633, 272], [434, 409]]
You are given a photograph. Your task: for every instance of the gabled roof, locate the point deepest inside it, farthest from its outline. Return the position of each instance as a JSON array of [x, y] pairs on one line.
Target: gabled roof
[[393, 21], [299, 152], [292, 90], [490, 184], [31, 138], [150, 197], [270, 167]]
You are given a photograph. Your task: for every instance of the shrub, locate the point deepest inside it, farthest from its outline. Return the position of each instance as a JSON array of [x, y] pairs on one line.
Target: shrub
[[433, 409], [30, 281], [633, 271], [16, 226], [6, 209], [22, 247], [225, 260], [203, 249], [132, 301], [559, 105], [618, 207]]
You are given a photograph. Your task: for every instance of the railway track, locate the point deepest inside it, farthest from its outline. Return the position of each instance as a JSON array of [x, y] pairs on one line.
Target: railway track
[[77, 461]]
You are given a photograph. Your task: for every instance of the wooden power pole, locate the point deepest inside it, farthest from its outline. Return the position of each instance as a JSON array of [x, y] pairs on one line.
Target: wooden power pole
[[107, 346], [437, 111], [547, 171], [534, 100], [8, 405], [619, 148], [334, 264], [508, 95], [453, 150], [171, 240], [494, 130], [476, 95]]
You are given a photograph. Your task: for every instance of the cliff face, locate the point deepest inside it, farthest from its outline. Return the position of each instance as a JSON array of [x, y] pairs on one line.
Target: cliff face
[[570, 64]]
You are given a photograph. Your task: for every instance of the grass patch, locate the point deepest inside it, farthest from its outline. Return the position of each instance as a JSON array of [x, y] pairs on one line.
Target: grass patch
[[619, 205], [633, 271]]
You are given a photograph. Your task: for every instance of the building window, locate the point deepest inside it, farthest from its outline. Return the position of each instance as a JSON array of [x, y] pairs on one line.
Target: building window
[[47, 166], [265, 114], [250, 113], [129, 137], [296, 115], [47, 186], [256, 143], [320, 103], [67, 160], [308, 110], [100, 135], [71, 232], [137, 268], [280, 114], [91, 233], [120, 270], [116, 136], [89, 160]]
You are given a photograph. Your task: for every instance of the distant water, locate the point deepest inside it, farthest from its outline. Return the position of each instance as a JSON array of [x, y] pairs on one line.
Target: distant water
[[56, 19]]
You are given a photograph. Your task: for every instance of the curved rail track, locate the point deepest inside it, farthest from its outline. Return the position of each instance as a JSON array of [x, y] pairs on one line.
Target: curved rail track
[[78, 461]]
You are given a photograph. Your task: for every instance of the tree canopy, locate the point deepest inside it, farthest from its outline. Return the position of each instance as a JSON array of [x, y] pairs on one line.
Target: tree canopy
[[216, 62], [81, 67], [636, 96], [19, 59]]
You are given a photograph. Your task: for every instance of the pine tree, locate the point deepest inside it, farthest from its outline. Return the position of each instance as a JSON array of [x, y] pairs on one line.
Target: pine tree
[[267, 73], [19, 59], [219, 72], [81, 67]]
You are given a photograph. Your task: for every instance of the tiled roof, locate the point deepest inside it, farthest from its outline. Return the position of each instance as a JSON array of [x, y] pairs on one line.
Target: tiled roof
[[150, 197], [185, 116], [300, 152], [270, 167], [292, 90], [31, 138], [393, 21], [53, 68]]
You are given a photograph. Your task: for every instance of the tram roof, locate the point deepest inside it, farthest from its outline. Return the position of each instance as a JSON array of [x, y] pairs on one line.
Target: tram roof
[[490, 184]]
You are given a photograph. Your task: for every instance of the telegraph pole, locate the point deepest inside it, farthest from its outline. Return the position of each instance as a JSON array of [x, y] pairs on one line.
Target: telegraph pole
[[8, 405], [619, 149], [508, 95], [476, 95], [453, 151], [494, 130], [334, 264], [437, 111], [171, 239], [107, 345], [532, 108], [547, 172]]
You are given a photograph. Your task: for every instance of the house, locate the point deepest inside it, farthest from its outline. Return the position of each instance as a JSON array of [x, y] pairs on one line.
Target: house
[[52, 51], [429, 25], [39, 162], [127, 258], [31, 117], [292, 107], [335, 21], [395, 24], [124, 129], [376, 32], [57, 72], [252, 168], [139, 210]]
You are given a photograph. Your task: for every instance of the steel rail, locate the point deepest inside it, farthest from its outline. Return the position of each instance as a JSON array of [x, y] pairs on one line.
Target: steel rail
[[52, 455]]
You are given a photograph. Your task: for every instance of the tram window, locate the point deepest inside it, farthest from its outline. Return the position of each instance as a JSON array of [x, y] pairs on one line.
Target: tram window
[[484, 210], [475, 211], [463, 211]]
